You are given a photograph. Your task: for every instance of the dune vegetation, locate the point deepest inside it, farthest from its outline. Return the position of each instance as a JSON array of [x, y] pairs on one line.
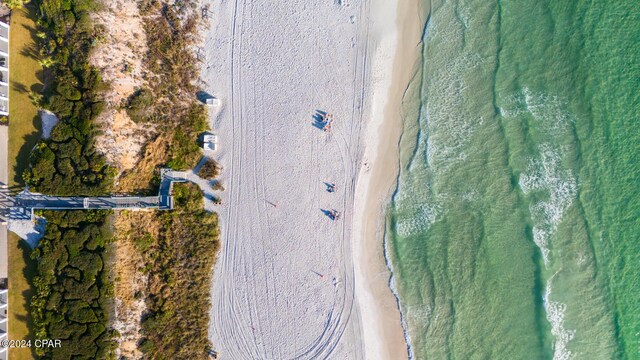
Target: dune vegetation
[[73, 284], [179, 254], [168, 99], [68, 164], [72, 288], [178, 264]]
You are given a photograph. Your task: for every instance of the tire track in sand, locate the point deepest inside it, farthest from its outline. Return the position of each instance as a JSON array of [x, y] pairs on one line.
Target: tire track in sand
[[238, 308]]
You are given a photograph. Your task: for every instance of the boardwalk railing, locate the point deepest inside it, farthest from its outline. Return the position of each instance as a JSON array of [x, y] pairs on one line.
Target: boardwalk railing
[[163, 201], [41, 202]]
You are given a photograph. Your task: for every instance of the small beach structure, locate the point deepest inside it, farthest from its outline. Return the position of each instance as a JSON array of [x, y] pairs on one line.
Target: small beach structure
[[204, 96], [323, 120], [213, 102], [210, 142], [212, 354]]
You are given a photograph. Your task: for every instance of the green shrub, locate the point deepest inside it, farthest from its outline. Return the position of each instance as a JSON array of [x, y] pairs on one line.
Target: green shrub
[[60, 106], [139, 105], [15, 4], [144, 242], [71, 287], [72, 273], [184, 152], [68, 91], [83, 316], [76, 101], [84, 23], [146, 346], [210, 169], [69, 19], [65, 167], [61, 132]]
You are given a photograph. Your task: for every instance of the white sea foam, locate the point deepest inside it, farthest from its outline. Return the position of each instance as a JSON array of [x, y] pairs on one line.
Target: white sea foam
[[554, 186], [464, 13], [545, 175], [471, 195], [449, 131], [425, 216], [445, 91], [550, 111], [556, 315], [540, 237]]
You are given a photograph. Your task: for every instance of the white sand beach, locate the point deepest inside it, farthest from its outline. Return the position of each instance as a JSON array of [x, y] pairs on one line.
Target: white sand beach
[[399, 44], [290, 282]]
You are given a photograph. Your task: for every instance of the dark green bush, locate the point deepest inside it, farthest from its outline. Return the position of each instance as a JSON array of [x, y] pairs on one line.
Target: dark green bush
[[76, 101], [68, 91], [69, 19], [61, 132], [139, 106], [84, 23], [60, 106], [83, 316], [71, 286]]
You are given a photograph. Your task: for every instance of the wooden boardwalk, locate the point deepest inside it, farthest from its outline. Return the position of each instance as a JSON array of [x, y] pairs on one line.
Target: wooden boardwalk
[[20, 205]]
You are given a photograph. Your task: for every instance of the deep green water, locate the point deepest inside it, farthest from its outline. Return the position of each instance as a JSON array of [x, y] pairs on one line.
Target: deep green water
[[515, 229]]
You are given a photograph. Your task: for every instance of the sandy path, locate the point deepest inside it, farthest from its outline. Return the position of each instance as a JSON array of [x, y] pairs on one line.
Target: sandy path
[[284, 282]]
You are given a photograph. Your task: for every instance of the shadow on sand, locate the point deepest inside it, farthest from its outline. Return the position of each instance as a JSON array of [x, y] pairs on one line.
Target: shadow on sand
[[319, 119]]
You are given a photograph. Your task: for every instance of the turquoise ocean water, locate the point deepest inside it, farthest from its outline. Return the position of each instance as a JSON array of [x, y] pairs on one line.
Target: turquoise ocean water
[[515, 229]]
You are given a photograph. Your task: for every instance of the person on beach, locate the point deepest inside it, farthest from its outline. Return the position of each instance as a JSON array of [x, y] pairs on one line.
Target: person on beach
[[328, 120], [334, 214], [331, 187]]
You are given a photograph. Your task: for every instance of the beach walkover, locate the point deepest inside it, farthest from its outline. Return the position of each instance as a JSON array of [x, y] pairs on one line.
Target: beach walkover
[[18, 206], [36, 201]]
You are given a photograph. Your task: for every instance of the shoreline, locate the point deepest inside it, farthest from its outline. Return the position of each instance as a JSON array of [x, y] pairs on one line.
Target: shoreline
[[398, 43]]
